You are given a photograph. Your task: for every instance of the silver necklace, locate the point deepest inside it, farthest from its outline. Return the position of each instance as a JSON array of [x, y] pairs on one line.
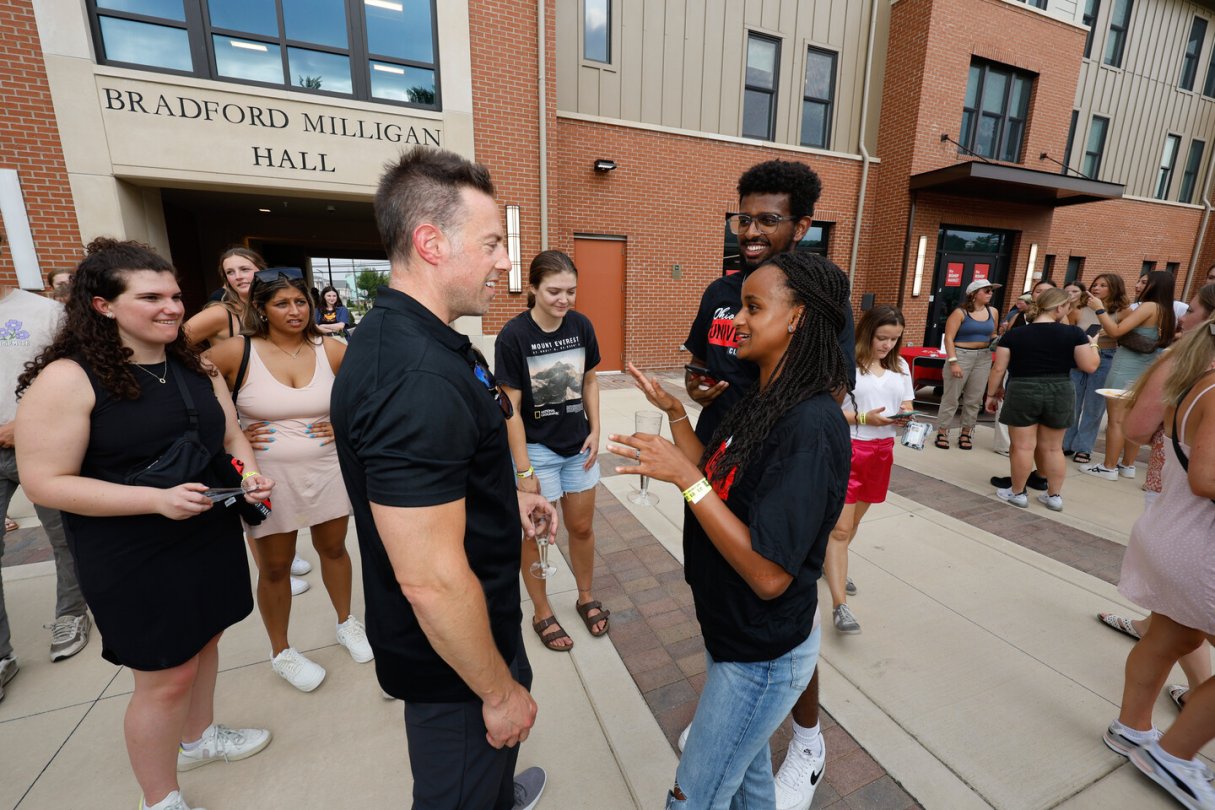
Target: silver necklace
[[284, 351], [158, 377]]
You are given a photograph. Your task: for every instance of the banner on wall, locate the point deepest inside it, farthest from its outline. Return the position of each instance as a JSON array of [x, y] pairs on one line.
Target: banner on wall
[[953, 274]]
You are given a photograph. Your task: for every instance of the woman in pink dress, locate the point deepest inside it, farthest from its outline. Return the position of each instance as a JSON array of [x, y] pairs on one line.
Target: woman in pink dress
[[281, 374], [1172, 574]]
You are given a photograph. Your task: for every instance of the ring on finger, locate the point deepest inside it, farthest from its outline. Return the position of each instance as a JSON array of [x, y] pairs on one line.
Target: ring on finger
[[639, 455]]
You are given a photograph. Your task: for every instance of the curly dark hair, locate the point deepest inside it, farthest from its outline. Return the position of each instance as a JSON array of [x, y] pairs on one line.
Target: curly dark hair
[[812, 364], [260, 293], [89, 336], [797, 180]]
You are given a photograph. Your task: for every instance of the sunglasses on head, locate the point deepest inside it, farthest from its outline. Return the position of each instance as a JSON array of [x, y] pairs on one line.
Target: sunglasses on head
[[480, 369], [272, 274]]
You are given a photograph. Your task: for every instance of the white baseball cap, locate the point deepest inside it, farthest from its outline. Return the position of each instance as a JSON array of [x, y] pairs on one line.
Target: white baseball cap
[[979, 284]]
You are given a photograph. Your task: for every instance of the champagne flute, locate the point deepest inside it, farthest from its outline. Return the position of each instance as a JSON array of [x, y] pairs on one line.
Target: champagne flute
[[647, 423], [542, 568]]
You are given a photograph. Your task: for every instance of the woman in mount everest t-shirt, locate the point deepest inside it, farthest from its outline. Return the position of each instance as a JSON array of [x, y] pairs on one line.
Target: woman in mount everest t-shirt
[[544, 359]]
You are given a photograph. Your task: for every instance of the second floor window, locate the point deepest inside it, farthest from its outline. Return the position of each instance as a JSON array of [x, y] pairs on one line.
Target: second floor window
[[1189, 177], [1091, 7], [759, 93], [996, 107], [1168, 161], [1094, 148], [1193, 48], [596, 32], [368, 49], [1115, 43], [817, 98]]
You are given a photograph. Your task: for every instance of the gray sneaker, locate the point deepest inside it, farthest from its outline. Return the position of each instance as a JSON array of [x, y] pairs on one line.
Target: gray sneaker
[[849, 587], [69, 634], [529, 785], [845, 622], [1051, 502], [8, 670]]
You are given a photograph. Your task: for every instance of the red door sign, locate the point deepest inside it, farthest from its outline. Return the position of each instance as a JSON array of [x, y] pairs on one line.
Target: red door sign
[[981, 271], [953, 274]]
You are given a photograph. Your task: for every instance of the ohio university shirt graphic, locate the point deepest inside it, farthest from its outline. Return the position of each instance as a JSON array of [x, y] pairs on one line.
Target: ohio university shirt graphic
[[721, 330]]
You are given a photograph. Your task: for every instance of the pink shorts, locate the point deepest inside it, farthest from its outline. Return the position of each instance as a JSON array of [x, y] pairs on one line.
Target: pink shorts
[[870, 476]]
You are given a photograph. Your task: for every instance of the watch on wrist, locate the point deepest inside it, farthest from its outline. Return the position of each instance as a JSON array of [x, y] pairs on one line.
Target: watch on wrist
[[1098, 311]]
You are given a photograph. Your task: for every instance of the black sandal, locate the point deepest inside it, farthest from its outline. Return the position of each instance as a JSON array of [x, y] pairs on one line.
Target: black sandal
[[550, 638], [942, 440], [1082, 458], [964, 441]]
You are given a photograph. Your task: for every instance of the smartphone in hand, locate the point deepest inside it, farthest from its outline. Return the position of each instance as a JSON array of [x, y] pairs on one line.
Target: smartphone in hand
[[706, 377]]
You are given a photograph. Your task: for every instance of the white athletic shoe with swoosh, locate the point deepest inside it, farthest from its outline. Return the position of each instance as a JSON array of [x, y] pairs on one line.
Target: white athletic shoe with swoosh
[[799, 776]]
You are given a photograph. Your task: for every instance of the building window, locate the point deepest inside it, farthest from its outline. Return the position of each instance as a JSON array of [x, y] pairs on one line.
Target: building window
[[1048, 265], [1193, 48], [1189, 177], [1035, 3], [1208, 86], [1168, 160], [815, 241], [1071, 137], [1148, 267], [1115, 43], [1095, 147], [1075, 268], [817, 98], [378, 50], [596, 30], [1172, 268], [759, 95], [997, 104], [1091, 7]]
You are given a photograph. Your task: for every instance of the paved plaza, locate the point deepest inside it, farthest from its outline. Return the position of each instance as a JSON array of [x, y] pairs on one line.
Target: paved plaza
[[981, 677]]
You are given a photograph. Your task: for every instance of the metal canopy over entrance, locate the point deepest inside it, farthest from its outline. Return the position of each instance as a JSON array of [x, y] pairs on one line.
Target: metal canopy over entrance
[[991, 181]]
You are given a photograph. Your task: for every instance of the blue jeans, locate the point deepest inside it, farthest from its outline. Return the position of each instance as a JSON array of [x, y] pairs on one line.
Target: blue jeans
[[1090, 406], [726, 762]]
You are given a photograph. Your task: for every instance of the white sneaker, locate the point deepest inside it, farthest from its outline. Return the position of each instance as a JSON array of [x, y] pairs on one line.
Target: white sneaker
[[799, 776], [1051, 502], [1126, 471], [173, 801], [1015, 498], [297, 670], [299, 586], [1186, 783], [1101, 471], [220, 742], [300, 566], [8, 671], [353, 636]]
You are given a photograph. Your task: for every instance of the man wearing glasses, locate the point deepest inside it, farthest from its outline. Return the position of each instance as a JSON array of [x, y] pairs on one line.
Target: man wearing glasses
[[775, 210], [421, 436]]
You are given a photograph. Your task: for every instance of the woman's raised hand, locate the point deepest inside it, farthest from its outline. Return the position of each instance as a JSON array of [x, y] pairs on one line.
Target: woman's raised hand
[[658, 396], [655, 457]]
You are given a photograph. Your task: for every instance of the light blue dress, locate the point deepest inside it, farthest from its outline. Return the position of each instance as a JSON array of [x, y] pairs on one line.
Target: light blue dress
[[1128, 365]]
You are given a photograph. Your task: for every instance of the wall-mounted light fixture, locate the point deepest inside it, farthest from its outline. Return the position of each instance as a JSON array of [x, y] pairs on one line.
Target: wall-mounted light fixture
[[1029, 270], [602, 165], [515, 279], [17, 226], [919, 266]]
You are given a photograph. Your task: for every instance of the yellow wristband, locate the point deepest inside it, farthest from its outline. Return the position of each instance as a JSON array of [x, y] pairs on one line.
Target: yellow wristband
[[528, 473], [694, 493], [249, 474], [860, 417]]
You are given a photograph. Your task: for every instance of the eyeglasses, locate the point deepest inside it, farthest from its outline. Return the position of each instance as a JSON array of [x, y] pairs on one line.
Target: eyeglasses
[[272, 274], [480, 368], [766, 223]]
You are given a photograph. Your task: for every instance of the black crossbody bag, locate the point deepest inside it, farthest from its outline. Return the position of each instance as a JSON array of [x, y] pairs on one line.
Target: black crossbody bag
[[186, 459]]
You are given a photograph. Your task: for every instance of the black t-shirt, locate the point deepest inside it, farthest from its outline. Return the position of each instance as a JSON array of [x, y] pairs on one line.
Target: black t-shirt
[[712, 339], [1042, 349], [415, 427], [790, 499], [548, 368]]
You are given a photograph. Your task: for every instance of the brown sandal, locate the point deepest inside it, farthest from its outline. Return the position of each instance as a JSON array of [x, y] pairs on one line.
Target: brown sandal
[[549, 639], [590, 621]]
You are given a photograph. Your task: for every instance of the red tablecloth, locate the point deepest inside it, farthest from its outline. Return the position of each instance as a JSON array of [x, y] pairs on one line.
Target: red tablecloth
[[926, 364]]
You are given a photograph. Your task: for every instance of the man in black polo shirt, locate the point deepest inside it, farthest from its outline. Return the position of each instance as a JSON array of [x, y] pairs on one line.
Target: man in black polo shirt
[[775, 210], [421, 436]]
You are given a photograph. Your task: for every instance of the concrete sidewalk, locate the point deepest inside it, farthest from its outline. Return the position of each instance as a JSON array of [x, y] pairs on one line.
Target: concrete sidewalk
[[982, 678]]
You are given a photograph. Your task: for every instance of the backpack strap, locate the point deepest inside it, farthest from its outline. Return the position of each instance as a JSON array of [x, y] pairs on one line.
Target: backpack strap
[[231, 323], [1181, 456], [191, 411], [244, 367]]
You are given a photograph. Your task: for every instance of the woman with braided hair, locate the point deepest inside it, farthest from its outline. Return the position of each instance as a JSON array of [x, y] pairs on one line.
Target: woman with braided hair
[[762, 499]]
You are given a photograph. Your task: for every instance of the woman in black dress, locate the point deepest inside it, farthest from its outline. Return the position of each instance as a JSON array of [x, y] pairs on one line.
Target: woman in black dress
[[163, 568]]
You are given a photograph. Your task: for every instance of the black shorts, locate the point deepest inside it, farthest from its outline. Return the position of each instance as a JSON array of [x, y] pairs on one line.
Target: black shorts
[[1046, 401]]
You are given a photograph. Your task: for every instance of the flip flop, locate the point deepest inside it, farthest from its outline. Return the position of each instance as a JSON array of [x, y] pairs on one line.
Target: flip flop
[[1082, 458], [1177, 693], [590, 621], [10, 525], [549, 639], [1119, 623]]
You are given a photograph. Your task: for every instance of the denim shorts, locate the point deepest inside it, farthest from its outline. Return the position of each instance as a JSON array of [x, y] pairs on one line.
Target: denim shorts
[[559, 475]]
